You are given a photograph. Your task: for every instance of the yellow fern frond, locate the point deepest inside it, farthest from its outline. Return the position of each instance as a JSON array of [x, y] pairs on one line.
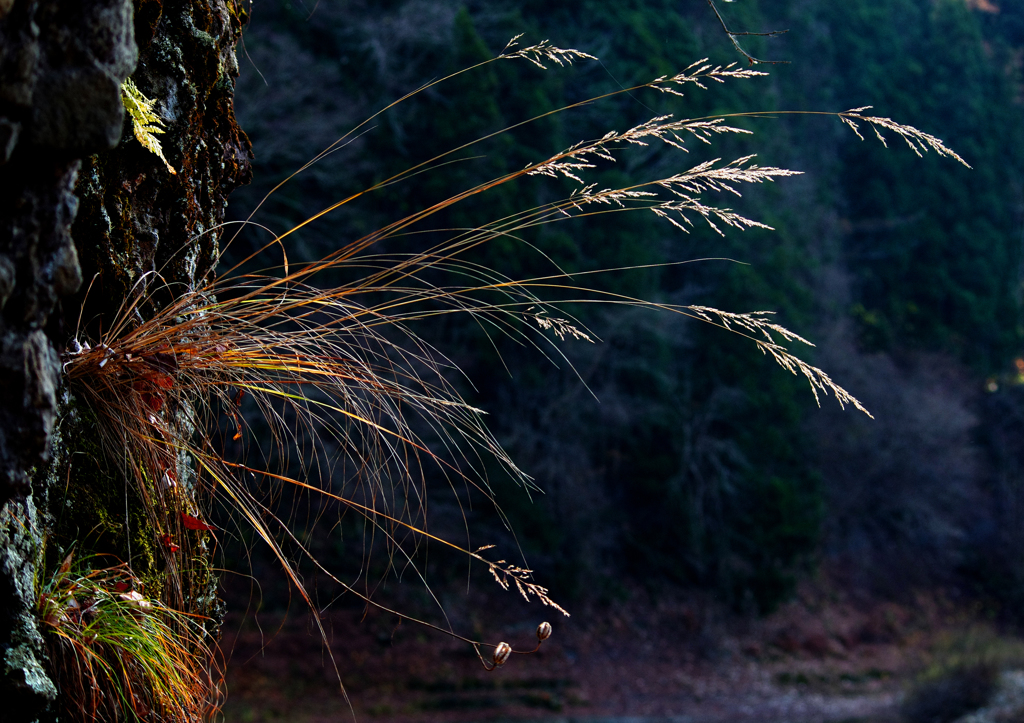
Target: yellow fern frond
[[145, 122]]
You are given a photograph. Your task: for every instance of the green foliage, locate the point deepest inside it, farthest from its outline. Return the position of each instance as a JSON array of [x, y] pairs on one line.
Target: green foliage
[[935, 260], [145, 123], [117, 654]]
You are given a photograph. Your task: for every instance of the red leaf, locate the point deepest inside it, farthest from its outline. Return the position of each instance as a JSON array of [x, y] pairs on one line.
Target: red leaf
[[164, 381], [162, 362], [121, 586], [194, 523], [169, 543]]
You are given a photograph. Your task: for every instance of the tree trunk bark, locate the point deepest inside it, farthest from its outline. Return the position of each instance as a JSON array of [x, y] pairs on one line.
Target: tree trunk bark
[[83, 204]]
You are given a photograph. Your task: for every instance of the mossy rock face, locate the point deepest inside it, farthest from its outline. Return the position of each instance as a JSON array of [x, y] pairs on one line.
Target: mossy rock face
[[138, 223], [136, 217], [25, 686], [108, 218], [91, 509], [61, 65]]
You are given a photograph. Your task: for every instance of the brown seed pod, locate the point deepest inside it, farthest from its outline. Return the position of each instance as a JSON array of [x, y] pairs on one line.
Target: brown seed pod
[[501, 653], [543, 631]]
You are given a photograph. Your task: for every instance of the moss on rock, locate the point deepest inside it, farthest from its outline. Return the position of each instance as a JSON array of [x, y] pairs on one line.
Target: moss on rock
[[130, 218]]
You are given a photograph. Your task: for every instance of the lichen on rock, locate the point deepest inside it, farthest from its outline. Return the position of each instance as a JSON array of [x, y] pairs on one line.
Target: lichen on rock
[[25, 685]]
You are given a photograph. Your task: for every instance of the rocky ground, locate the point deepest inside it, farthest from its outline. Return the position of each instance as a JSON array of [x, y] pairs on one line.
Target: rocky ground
[[823, 657]]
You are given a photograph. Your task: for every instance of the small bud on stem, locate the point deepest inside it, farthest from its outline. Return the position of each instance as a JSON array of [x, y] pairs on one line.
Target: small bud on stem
[[501, 653]]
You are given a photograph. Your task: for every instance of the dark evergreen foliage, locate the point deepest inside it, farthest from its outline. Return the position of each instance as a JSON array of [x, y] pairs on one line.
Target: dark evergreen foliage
[[698, 462]]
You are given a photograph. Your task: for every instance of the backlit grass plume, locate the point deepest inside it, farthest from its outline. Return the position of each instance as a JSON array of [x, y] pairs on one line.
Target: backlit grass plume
[[353, 395]]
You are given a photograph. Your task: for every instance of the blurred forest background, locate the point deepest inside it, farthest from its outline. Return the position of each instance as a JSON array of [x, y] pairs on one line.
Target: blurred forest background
[[700, 464]]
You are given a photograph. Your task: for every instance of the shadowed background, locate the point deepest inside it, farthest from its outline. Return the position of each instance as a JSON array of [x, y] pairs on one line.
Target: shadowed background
[[676, 463]]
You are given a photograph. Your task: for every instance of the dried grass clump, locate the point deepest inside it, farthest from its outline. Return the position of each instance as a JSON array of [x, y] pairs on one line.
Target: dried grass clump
[[342, 369]]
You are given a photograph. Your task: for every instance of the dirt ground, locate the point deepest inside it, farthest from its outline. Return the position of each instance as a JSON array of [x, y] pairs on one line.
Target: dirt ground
[[823, 657]]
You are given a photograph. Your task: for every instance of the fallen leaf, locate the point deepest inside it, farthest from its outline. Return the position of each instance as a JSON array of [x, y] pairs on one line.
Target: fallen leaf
[[194, 523]]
